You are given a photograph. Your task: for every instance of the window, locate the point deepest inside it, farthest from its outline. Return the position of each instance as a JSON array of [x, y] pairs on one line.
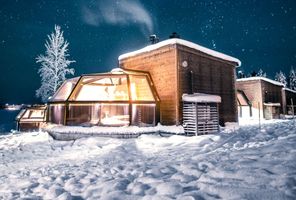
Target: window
[[56, 113], [143, 114], [140, 89], [83, 114], [114, 114], [101, 88]]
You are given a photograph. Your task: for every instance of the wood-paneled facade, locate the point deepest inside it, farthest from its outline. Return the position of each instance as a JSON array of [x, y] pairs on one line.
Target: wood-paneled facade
[[262, 93], [289, 101], [177, 69]]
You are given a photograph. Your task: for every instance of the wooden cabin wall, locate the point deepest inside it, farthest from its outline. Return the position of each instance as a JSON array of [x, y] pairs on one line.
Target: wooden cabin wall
[[161, 64], [287, 96], [252, 90], [206, 74], [271, 93]]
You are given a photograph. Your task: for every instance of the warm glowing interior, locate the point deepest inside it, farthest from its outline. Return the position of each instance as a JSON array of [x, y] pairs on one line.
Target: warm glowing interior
[[140, 89], [105, 100], [101, 88], [111, 88]]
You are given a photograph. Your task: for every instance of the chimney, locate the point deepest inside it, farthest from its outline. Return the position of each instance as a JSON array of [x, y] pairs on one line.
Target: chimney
[[174, 35], [153, 39]]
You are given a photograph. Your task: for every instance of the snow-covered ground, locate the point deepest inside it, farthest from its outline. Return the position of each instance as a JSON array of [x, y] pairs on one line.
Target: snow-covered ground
[[244, 163]]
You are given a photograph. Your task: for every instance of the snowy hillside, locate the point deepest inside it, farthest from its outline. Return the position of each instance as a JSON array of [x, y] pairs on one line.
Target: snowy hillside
[[242, 164]]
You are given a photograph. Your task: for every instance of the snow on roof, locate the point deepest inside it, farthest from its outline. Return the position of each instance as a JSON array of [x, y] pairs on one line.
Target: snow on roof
[[201, 97], [256, 78], [290, 90], [272, 104], [181, 42]]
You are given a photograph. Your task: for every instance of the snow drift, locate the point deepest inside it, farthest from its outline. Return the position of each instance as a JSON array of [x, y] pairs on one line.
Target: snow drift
[[244, 163]]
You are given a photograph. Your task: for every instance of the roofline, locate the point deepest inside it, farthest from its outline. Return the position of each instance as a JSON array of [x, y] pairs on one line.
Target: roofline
[[186, 43], [288, 89], [121, 72], [259, 78]]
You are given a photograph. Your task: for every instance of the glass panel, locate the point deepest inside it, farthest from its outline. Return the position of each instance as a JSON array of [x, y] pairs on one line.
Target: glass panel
[[114, 114], [33, 115], [27, 114], [143, 114], [37, 114], [140, 89], [84, 114], [102, 88], [65, 90], [20, 114], [56, 113]]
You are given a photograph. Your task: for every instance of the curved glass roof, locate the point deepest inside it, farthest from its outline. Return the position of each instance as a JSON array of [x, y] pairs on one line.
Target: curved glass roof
[[118, 85]]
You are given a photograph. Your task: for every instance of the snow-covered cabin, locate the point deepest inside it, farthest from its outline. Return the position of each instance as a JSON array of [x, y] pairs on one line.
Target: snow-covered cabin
[[118, 98], [177, 67], [265, 95]]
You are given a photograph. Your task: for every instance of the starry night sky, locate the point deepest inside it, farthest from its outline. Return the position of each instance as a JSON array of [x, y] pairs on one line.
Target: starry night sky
[[261, 33]]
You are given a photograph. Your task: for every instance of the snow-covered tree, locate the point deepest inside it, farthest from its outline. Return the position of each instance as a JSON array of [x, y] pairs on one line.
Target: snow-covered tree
[[260, 73], [281, 77], [54, 64], [292, 78]]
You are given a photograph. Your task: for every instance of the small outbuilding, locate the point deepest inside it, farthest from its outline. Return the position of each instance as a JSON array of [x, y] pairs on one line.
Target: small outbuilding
[[118, 98], [200, 113], [265, 96]]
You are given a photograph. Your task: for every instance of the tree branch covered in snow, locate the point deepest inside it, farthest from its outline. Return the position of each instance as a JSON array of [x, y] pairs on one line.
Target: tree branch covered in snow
[[281, 77], [260, 73], [54, 64], [292, 78]]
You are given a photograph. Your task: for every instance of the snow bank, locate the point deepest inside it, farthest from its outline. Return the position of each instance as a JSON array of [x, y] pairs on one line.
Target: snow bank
[[181, 42], [75, 132], [260, 78], [246, 163]]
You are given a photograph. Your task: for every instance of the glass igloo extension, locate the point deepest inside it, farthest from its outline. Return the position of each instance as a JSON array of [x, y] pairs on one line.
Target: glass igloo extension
[[118, 98]]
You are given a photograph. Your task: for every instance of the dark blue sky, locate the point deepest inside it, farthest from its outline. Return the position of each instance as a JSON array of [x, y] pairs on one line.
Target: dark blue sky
[[261, 33]]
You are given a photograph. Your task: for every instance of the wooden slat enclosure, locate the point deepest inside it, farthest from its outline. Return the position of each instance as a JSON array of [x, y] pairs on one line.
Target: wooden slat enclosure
[[204, 74], [200, 118]]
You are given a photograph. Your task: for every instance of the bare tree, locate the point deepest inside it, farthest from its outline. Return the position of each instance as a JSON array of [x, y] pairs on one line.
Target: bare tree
[[54, 64]]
